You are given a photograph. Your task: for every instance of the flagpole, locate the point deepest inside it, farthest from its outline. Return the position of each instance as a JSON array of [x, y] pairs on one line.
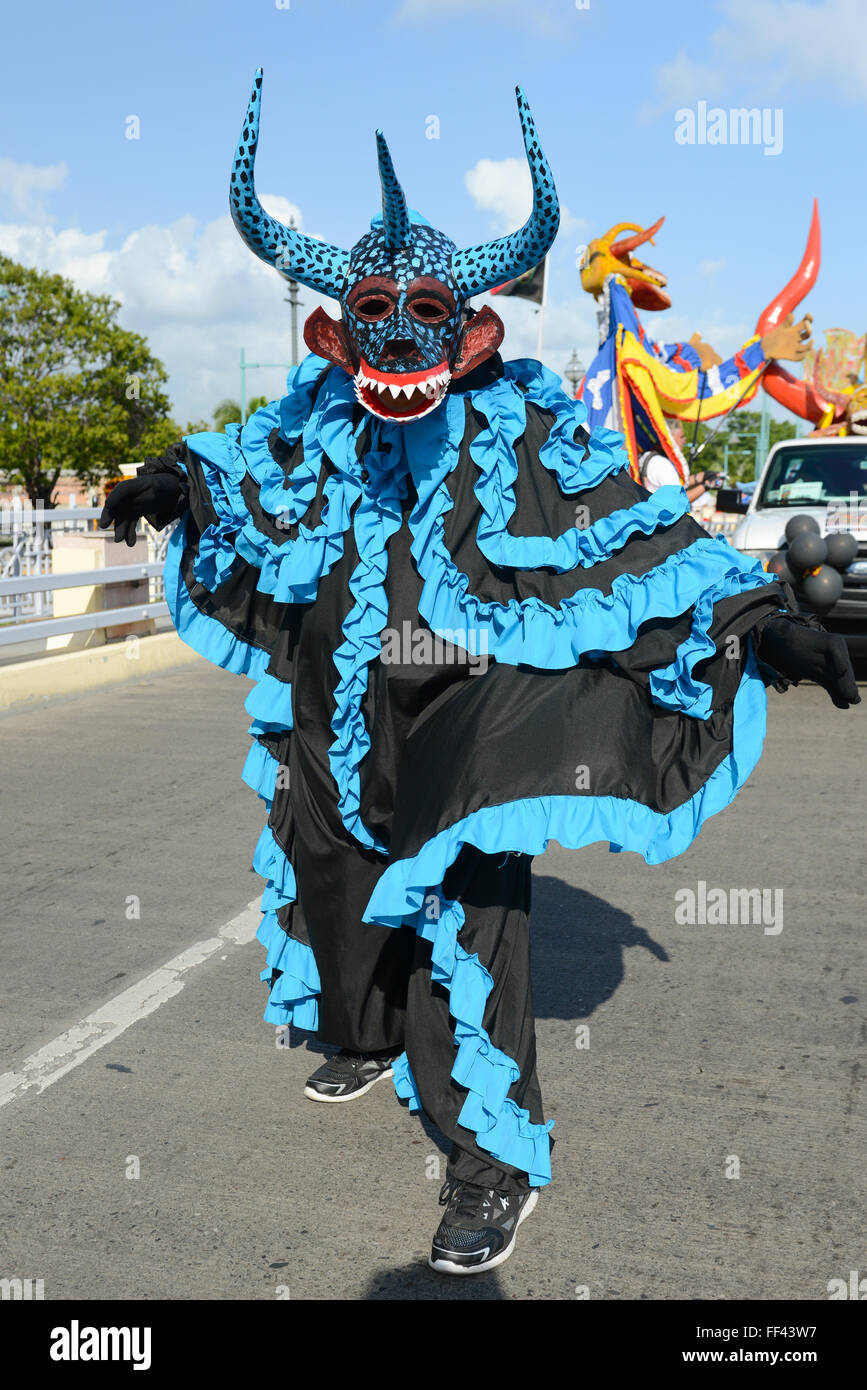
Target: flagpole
[[542, 308]]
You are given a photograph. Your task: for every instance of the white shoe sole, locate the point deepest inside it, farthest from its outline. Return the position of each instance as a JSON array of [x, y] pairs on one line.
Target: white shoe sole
[[443, 1266], [352, 1095]]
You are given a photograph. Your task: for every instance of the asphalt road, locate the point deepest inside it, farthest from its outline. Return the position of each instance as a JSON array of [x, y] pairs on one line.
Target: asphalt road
[[713, 1049]]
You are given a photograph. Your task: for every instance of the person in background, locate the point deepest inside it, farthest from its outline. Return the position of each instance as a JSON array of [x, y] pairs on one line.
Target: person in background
[[658, 471]]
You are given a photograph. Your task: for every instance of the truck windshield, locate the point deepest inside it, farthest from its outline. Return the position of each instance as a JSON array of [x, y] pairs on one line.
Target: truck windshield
[[809, 475]]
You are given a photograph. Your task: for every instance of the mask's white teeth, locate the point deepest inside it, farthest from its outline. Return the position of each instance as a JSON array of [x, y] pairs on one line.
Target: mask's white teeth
[[407, 391], [395, 390]]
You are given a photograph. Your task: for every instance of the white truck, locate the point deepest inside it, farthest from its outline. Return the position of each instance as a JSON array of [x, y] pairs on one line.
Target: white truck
[[825, 478]]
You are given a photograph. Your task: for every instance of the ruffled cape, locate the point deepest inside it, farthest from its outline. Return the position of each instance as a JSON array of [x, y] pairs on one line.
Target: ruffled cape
[[617, 632]]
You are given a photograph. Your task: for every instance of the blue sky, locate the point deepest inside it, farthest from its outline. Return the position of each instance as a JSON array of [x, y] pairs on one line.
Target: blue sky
[[146, 219]]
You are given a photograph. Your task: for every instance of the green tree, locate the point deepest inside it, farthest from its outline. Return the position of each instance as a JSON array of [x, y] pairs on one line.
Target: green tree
[[77, 391], [740, 430], [227, 413]]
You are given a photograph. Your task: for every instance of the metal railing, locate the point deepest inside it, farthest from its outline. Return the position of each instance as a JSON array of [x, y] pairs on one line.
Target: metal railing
[[27, 584]]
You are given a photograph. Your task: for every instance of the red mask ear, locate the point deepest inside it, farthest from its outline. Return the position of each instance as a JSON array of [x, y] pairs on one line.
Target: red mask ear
[[328, 338], [480, 337]]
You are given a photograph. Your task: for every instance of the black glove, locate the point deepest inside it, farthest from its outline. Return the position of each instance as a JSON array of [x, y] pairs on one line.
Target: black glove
[[160, 497], [810, 653]]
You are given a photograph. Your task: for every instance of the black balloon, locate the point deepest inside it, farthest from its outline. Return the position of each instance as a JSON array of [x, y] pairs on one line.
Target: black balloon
[[799, 524], [806, 552], [779, 565], [842, 549], [822, 590]]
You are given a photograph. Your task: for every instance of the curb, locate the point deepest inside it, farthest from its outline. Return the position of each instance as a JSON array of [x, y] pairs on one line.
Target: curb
[[24, 684]]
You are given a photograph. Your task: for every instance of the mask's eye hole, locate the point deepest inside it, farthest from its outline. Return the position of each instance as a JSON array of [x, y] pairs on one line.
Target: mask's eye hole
[[371, 307], [429, 310]]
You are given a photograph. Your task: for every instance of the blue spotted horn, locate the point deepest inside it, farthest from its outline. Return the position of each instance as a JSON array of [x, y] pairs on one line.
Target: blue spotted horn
[[395, 218], [494, 262], [314, 263]]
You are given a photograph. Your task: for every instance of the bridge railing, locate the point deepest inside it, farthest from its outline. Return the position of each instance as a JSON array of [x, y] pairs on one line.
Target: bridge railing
[[28, 582]]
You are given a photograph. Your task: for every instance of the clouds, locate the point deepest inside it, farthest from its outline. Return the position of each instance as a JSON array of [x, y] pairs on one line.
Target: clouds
[[198, 295], [766, 47], [23, 188], [683, 82], [503, 187], [192, 289], [726, 335]]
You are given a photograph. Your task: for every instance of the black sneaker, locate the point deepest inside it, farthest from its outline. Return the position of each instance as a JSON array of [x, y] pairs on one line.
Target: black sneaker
[[347, 1075], [479, 1226]]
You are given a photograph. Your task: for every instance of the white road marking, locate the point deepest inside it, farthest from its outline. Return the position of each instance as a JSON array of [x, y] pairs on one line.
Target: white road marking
[[70, 1049]]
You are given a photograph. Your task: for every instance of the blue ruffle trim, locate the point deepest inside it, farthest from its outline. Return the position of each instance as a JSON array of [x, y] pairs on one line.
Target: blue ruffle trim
[[527, 825], [269, 703], [260, 770], [377, 517], [205, 635], [290, 571], [526, 632], [294, 996], [530, 632], [502, 1128], [577, 468], [675, 687], [404, 1082], [493, 453]]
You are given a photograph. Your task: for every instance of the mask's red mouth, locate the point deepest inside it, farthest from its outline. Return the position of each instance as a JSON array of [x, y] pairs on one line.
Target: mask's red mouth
[[401, 395]]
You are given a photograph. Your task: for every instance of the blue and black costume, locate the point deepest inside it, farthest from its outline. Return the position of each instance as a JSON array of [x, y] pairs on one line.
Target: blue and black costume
[[469, 632]]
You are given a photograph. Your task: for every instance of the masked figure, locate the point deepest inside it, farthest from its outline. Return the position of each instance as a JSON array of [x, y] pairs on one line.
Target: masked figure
[[638, 385], [448, 595]]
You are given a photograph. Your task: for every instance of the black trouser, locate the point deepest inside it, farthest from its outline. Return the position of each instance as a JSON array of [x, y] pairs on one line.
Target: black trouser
[[377, 994]]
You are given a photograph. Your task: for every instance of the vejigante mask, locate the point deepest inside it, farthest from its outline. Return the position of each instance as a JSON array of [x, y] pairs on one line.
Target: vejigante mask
[[404, 331]]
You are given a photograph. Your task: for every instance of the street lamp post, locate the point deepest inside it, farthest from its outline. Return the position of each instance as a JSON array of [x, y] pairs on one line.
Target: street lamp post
[[252, 366], [734, 439], [293, 300], [575, 372]]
